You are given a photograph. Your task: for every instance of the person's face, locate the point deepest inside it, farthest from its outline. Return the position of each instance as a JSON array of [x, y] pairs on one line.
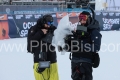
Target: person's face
[[83, 19], [83, 22], [47, 26]]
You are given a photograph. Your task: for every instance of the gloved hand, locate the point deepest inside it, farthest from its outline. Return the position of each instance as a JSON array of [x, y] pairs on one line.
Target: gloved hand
[[52, 28], [40, 70], [96, 60]]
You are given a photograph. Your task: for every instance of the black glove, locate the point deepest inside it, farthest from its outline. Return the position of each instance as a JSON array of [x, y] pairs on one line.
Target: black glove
[[40, 70], [52, 28], [96, 60]]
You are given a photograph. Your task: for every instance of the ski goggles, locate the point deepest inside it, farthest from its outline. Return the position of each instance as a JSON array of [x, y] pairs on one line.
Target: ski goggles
[[49, 23], [83, 17]]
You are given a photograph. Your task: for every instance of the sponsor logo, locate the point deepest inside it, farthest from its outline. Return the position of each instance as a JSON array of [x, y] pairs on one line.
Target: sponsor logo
[[7, 10], [104, 14], [53, 15], [37, 16], [19, 16], [117, 14], [1, 17], [111, 14], [28, 16], [108, 23], [26, 26], [98, 13], [10, 17]]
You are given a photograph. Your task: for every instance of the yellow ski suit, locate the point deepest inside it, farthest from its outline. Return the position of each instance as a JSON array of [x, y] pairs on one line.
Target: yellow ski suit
[[48, 74]]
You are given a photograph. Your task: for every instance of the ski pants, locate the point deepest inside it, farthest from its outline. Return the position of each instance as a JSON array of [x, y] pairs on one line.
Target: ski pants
[[48, 74], [82, 68]]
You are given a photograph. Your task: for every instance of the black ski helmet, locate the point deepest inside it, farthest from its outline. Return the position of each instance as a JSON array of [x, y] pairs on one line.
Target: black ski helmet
[[47, 18]]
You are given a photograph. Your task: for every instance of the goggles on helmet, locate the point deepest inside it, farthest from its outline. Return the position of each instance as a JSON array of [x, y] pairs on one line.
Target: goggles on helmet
[[83, 17], [49, 23]]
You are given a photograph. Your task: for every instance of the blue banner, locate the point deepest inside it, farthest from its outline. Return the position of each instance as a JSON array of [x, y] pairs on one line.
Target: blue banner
[[17, 25]]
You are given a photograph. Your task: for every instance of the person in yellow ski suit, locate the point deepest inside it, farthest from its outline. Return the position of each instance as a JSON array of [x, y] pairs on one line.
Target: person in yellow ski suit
[[36, 34]]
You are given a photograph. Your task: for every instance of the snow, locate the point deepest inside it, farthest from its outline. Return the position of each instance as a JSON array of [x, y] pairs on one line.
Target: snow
[[17, 64]]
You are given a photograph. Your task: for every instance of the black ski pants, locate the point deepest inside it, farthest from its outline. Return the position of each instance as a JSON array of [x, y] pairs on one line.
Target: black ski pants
[[81, 71]]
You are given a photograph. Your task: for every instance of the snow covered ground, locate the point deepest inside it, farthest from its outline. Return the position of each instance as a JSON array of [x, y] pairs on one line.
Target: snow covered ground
[[17, 64]]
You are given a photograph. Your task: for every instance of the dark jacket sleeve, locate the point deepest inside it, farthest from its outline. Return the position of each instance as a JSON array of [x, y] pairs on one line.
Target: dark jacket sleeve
[[96, 42], [36, 35]]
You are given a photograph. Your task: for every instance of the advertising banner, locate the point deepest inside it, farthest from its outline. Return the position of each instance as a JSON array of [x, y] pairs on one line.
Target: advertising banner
[[108, 20], [4, 27], [27, 9], [17, 25], [24, 22]]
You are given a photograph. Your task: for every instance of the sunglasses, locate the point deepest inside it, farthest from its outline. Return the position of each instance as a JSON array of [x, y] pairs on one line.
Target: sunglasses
[[49, 23], [83, 17]]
